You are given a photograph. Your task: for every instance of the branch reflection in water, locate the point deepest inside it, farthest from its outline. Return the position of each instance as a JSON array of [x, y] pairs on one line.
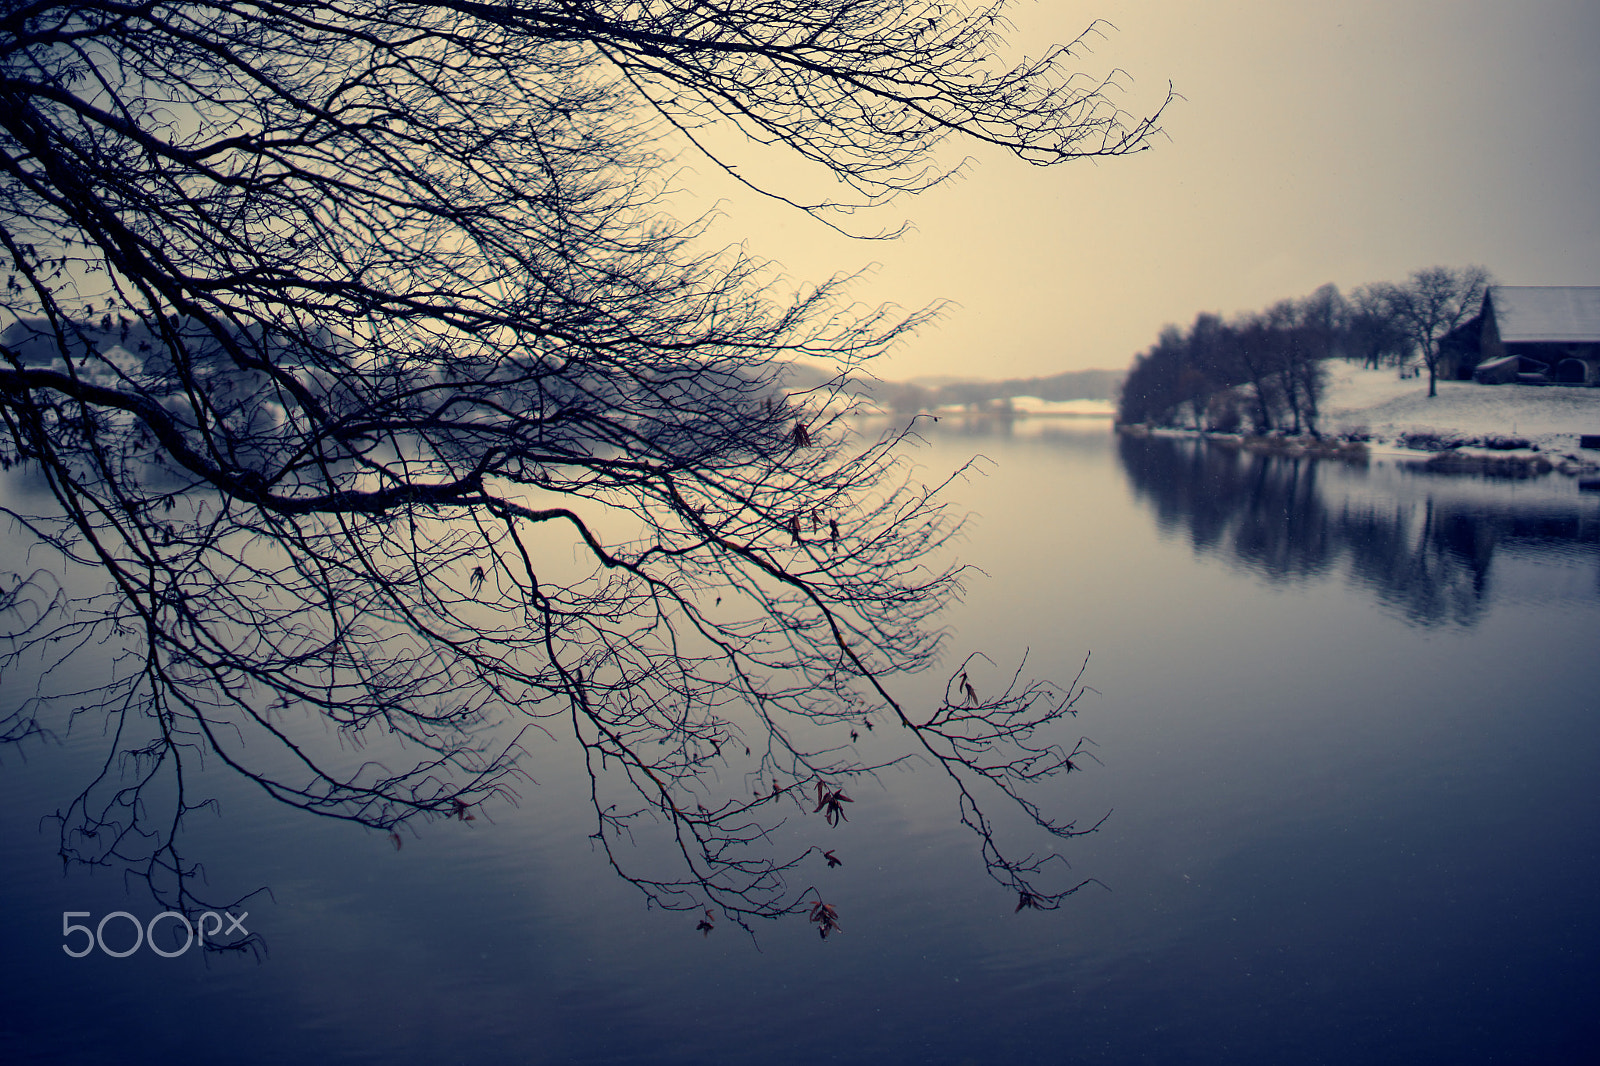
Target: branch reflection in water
[[708, 811]]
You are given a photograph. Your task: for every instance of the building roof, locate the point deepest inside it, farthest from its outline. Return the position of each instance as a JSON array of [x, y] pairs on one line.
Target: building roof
[[1546, 312]]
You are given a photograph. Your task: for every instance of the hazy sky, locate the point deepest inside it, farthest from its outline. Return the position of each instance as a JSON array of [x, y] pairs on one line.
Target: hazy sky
[[1345, 141]]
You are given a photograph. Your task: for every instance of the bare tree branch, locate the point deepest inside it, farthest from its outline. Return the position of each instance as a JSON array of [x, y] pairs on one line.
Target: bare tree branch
[[364, 366]]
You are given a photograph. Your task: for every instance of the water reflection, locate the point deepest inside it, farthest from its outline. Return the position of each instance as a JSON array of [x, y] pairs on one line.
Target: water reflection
[[679, 813], [1330, 830], [1425, 544]]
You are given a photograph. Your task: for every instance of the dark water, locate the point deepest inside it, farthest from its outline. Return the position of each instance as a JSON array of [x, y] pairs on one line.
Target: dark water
[[1349, 721]]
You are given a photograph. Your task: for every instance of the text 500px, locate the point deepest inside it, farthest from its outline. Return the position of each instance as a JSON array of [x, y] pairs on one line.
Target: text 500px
[[145, 934]]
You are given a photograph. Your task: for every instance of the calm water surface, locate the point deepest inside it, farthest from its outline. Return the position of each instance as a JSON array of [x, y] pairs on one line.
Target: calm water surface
[[1349, 720]]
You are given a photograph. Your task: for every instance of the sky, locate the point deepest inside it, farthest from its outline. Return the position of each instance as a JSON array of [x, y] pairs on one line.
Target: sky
[[1348, 141]]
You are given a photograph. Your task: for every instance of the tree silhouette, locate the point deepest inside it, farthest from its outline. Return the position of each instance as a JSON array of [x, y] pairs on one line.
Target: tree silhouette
[[1431, 303], [1268, 363], [367, 372]]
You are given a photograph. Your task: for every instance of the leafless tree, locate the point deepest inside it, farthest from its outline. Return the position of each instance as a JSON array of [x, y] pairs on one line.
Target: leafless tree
[[338, 331], [1256, 348], [1373, 334], [1305, 333], [1433, 302]]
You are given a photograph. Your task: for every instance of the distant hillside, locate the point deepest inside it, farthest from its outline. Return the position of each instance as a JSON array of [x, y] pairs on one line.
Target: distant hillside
[[1071, 385], [923, 394]]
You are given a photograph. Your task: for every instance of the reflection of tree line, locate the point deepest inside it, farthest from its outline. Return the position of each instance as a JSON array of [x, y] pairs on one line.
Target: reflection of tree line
[[1431, 563]]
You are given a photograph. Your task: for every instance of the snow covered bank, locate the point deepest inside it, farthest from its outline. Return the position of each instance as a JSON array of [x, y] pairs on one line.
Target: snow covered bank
[[1379, 403]]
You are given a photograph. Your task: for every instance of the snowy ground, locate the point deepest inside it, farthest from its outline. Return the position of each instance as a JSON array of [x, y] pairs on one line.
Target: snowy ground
[[1378, 402]]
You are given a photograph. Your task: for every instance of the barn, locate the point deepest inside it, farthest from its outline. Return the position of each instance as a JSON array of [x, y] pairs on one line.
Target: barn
[[1553, 330]]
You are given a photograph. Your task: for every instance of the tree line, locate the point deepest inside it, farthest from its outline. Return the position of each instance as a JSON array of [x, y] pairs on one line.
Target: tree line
[[1264, 371]]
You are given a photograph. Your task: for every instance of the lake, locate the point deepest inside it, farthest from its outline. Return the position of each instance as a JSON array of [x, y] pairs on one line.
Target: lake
[[1345, 722]]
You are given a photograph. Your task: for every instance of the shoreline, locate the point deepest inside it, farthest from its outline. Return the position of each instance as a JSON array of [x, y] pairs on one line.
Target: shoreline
[[1514, 463], [1492, 430]]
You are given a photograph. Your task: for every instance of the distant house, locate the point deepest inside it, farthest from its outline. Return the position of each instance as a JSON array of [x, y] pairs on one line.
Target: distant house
[[1533, 333]]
